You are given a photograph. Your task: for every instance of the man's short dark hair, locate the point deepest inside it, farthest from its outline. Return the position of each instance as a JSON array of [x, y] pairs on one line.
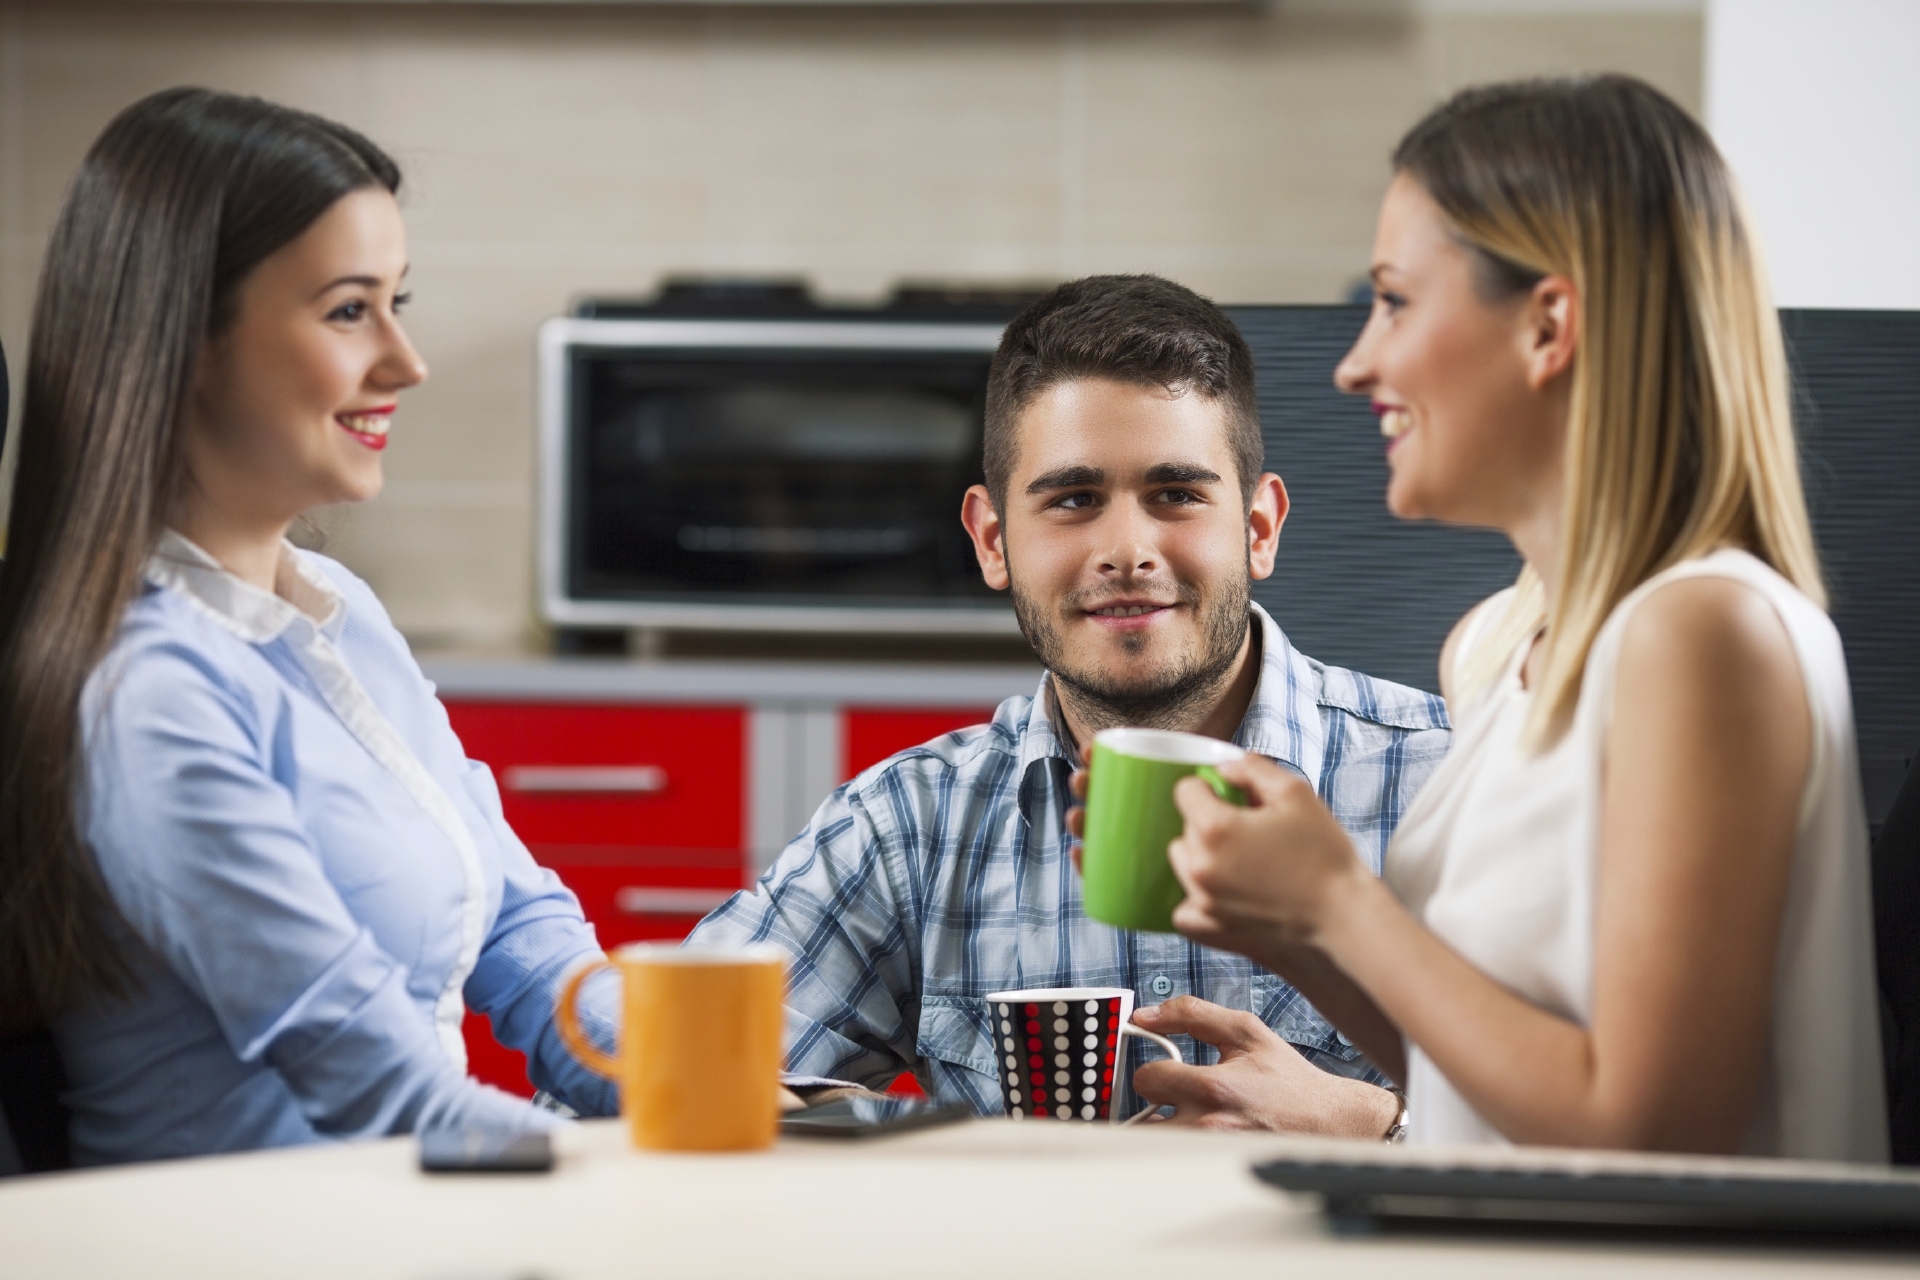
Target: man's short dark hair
[[1138, 329]]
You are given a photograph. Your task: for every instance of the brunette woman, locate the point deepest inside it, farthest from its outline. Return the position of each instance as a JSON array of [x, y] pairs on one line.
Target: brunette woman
[[246, 870], [1631, 908]]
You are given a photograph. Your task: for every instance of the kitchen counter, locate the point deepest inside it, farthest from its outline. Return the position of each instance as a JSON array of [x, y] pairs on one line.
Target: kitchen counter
[[615, 680]]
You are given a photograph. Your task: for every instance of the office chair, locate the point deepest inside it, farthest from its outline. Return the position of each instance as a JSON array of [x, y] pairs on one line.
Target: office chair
[[1896, 932], [31, 1081], [31, 1078]]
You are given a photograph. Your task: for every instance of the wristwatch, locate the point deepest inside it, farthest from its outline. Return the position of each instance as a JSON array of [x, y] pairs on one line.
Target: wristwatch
[[1397, 1131]]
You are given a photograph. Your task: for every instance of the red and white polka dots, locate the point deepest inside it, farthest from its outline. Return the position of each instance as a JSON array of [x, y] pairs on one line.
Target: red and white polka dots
[[1060, 1048]]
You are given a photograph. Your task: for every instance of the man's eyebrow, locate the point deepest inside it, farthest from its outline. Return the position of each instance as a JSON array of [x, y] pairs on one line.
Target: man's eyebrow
[[1181, 473], [1074, 477]]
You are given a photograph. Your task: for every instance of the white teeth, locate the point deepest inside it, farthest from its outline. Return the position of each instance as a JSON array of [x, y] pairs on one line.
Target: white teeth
[[1126, 610], [370, 424], [1395, 423]]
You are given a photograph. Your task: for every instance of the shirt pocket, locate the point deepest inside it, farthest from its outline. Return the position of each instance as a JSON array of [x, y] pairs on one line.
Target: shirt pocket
[[957, 1031]]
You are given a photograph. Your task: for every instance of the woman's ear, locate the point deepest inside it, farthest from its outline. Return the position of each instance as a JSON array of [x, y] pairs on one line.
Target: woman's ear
[[203, 380], [1552, 330]]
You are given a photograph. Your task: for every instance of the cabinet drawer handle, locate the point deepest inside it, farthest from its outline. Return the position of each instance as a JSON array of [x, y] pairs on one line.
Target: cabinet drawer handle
[[635, 901], [593, 779]]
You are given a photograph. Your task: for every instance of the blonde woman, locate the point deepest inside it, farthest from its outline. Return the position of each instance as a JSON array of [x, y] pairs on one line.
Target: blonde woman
[[1631, 909]]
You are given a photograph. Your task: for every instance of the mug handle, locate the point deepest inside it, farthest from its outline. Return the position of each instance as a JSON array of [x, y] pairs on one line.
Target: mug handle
[[566, 1020], [1221, 787], [1172, 1050]]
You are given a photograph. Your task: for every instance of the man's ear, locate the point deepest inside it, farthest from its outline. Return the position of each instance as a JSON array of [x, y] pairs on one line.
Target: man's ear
[[1265, 514], [1552, 330], [989, 535]]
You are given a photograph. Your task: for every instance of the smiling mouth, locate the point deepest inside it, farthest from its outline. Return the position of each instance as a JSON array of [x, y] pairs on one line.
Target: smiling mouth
[[1395, 421], [1130, 611], [368, 426]]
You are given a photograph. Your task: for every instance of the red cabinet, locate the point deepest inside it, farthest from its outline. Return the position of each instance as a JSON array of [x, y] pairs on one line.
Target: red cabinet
[[611, 778], [870, 736], [638, 809]]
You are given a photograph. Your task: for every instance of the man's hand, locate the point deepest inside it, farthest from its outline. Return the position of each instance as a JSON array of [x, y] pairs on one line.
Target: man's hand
[[1261, 1082]]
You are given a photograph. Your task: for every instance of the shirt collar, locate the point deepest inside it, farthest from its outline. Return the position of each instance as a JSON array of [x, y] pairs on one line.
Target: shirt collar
[[1040, 741], [256, 616], [1283, 720]]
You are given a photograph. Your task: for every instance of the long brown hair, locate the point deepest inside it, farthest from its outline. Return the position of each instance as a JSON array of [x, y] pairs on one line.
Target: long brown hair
[[184, 193], [1680, 437]]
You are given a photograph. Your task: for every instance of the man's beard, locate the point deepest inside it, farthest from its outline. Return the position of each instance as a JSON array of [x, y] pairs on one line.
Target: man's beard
[[1173, 696]]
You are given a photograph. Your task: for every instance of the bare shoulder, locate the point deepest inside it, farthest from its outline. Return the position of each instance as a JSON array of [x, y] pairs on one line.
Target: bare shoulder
[[1709, 620], [1714, 648]]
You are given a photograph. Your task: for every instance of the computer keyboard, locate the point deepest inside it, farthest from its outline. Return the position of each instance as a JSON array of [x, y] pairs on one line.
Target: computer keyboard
[[1604, 1189]]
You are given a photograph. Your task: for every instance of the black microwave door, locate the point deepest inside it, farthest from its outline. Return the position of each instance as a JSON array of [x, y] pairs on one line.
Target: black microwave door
[[815, 478]]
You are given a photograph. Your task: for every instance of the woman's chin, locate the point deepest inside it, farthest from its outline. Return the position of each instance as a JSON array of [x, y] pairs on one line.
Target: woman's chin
[[364, 486], [1402, 502]]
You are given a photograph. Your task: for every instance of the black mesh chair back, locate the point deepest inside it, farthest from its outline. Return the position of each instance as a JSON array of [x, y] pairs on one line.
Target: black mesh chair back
[[1896, 930], [31, 1081]]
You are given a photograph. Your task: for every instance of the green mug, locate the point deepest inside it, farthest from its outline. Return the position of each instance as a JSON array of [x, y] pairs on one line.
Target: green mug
[[1131, 819]]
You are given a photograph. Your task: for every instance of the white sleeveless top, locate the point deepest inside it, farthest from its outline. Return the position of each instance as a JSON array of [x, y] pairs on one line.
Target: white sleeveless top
[[1499, 857]]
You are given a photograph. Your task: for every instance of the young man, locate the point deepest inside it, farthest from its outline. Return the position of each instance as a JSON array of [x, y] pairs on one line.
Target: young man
[[1126, 511]]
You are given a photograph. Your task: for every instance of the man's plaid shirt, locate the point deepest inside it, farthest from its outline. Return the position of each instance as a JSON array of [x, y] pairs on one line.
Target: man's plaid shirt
[[943, 873]]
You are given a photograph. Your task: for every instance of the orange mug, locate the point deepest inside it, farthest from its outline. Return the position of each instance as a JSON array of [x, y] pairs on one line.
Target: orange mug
[[699, 1059]]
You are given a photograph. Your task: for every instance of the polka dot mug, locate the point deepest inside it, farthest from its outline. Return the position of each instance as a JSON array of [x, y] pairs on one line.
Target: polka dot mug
[[1058, 1050]]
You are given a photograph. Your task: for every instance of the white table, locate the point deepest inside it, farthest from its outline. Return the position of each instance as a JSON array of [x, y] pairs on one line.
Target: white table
[[988, 1199]]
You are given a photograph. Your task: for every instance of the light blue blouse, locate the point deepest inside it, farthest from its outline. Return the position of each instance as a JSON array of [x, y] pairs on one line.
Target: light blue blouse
[[316, 879]]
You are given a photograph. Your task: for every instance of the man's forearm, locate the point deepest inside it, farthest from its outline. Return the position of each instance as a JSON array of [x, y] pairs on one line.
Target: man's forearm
[[1362, 1111]]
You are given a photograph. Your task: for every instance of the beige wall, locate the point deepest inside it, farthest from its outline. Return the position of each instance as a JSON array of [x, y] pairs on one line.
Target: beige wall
[[554, 150]]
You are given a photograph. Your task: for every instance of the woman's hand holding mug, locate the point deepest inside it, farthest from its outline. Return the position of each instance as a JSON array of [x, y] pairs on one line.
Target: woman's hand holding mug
[[1277, 873], [1261, 879]]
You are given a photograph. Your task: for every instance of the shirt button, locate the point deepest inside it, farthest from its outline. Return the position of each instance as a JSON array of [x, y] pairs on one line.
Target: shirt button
[[1161, 984]]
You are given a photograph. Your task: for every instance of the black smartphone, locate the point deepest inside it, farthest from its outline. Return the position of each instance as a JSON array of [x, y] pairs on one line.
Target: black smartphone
[[869, 1117], [486, 1151]]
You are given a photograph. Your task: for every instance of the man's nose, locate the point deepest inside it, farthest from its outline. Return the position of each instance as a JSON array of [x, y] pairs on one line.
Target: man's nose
[[1130, 548]]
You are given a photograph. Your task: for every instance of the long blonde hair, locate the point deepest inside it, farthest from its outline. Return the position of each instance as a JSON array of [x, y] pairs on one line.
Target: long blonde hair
[[1680, 434]]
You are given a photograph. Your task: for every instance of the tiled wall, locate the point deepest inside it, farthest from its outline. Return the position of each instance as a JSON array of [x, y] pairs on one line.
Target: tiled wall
[[555, 150]]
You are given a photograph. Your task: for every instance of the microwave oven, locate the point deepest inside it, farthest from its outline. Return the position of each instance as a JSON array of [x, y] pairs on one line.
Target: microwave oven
[[799, 470]]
